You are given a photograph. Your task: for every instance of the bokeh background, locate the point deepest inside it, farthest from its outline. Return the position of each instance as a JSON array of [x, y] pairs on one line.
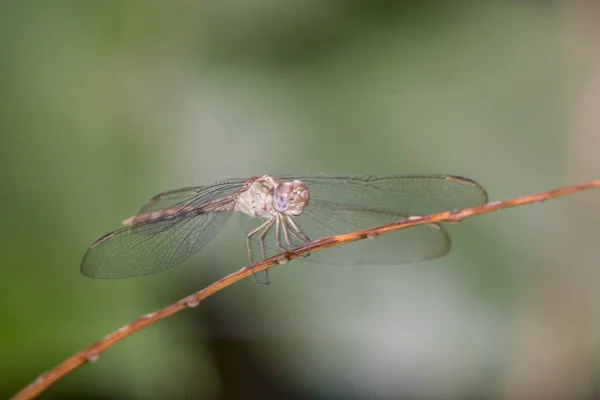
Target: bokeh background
[[106, 103]]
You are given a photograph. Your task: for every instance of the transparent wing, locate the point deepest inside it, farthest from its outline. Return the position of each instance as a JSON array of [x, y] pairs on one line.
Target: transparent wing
[[156, 245], [340, 204], [407, 194], [125, 252], [193, 195]]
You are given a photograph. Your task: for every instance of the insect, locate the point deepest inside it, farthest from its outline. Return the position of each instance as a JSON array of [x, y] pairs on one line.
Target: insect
[[280, 212]]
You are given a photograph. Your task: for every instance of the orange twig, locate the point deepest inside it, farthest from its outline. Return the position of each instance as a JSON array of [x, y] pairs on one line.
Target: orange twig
[[92, 352]]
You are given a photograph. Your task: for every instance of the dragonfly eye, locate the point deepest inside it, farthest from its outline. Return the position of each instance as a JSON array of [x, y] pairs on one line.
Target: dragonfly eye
[[281, 196], [290, 197]]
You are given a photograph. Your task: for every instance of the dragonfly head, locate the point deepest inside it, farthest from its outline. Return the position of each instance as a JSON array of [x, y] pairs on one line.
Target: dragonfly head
[[290, 197]]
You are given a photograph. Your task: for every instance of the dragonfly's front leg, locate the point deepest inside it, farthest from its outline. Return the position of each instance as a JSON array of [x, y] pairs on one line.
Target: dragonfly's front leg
[[296, 232], [281, 224], [299, 232], [286, 232]]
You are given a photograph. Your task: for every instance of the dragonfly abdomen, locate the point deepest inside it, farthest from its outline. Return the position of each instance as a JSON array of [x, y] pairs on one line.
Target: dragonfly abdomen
[[164, 215], [170, 214]]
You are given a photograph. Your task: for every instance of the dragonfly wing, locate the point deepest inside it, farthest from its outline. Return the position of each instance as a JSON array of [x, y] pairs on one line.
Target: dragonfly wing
[[406, 194], [193, 195], [127, 252], [339, 204], [154, 245]]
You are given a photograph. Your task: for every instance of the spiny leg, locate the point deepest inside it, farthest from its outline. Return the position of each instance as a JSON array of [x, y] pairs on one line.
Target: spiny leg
[[266, 226], [286, 232], [294, 233], [252, 233], [278, 233], [298, 230], [279, 223], [262, 237], [263, 253], [297, 235]]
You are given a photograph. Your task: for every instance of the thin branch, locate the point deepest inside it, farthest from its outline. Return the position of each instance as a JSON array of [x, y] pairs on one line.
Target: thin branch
[[91, 353]]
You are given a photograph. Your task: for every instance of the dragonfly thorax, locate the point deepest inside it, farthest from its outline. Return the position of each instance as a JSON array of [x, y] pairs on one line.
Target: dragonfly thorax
[[266, 197]]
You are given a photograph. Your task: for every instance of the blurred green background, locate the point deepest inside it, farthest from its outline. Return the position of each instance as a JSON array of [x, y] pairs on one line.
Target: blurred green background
[[107, 103]]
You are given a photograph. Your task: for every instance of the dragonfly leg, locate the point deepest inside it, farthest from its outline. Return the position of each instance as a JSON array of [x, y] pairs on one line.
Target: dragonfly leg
[[298, 233], [252, 233], [286, 232], [265, 227], [263, 234], [279, 225], [298, 230], [293, 232], [278, 233]]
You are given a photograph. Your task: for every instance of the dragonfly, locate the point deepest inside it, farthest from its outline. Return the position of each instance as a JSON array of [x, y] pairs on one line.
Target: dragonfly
[[279, 213]]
